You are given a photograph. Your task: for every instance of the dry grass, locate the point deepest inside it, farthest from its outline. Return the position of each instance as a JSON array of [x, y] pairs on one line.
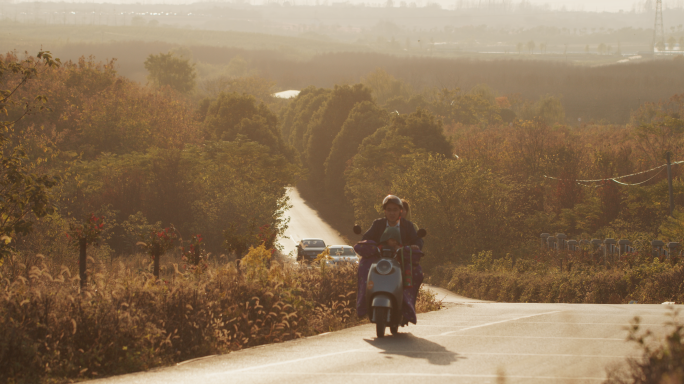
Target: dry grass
[[539, 280], [661, 360], [126, 320]]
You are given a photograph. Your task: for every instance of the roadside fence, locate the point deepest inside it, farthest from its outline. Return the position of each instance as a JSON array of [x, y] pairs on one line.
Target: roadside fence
[[611, 249]]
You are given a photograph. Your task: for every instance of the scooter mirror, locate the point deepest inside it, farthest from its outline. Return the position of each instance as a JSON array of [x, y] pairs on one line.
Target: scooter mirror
[[422, 233], [357, 229]]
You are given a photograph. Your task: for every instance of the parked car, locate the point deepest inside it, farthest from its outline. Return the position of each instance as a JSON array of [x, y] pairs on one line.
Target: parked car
[[309, 249], [341, 254]]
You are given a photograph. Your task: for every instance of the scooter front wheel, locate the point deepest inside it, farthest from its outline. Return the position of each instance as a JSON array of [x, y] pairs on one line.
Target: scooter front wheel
[[380, 321]]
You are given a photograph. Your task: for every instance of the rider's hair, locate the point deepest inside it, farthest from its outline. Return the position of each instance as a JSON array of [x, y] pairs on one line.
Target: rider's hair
[[407, 212]]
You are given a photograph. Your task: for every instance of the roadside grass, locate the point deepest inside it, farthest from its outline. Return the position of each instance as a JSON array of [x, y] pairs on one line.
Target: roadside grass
[[539, 279], [661, 360], [125, 320]]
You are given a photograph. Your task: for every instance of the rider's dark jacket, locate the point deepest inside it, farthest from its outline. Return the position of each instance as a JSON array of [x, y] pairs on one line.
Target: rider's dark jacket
[[406, 228]]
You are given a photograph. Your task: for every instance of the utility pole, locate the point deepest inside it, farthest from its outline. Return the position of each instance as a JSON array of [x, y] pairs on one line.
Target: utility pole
[[658, 29], [669, 182]]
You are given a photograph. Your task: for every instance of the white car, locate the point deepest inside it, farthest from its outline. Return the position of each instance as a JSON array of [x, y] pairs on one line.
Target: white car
[[341, 254]]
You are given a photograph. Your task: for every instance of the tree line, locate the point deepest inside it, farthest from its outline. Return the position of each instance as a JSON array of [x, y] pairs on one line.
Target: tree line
[[474, 164], [142, 157], [484, 172], [602, 94]]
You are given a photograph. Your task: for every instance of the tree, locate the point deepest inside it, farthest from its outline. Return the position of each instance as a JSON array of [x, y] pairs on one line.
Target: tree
[[364, 119], [165, 69], [476, 106], [232, 115], [671, 42], [126, 117], [299, 114], [424, 131], [241, 190], [381, 157], [384, 86], [466, 207], [601, 49], [659, 128], [673, 227], [403, 105], [326, 124], [24, 190], [258, 87], [530, 46], [385, 155], [550, 110]]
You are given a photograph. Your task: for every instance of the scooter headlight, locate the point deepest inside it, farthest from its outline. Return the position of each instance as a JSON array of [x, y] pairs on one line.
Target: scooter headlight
[[383, 267]]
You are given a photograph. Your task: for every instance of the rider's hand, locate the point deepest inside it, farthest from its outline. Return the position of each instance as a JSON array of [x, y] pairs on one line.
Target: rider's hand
[[415, 248]]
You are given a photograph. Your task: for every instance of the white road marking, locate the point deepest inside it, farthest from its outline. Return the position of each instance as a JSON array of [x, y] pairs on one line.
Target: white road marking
[[195, 359], [554, 322], [377, 351], [499, 322], [626, 324], [281, 363], [415, 374], [465, 354], [542, 337]]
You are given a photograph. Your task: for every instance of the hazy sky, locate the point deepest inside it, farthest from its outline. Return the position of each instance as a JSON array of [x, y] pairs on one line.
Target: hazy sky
[[571, 5]]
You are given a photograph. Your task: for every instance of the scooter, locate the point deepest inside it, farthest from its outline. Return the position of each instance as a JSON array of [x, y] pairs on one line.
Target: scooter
[[385, 289]]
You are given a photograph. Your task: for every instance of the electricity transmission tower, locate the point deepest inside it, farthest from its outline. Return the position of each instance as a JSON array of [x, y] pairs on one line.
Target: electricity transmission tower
[[658, 30]]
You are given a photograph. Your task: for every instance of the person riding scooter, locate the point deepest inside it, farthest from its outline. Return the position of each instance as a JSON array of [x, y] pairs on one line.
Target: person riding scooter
[[393, 207], [413, 273], [388, 294]]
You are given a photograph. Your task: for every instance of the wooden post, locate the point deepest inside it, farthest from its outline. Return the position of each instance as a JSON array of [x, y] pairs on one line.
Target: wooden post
[[82, 245], [669, 182]]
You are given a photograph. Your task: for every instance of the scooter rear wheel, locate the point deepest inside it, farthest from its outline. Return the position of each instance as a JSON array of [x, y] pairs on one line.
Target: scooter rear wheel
[[394, 328], [380, 321]]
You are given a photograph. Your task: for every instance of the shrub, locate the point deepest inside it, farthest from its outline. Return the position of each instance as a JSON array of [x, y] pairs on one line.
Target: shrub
[[125, 320], [529, 280], [660, 362]]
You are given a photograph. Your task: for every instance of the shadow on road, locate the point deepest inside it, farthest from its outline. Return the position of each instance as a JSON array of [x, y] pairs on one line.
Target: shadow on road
[[406, 344]]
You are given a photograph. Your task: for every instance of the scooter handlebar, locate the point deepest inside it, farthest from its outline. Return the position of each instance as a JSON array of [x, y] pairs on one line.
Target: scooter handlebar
[[421, 232]]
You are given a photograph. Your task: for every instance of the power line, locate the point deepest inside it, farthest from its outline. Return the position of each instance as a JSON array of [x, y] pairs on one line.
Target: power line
[[615, 179], [642, 182]]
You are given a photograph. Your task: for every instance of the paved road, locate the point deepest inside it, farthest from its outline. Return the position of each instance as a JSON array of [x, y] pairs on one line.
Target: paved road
[[469, 341], [305, 222]]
